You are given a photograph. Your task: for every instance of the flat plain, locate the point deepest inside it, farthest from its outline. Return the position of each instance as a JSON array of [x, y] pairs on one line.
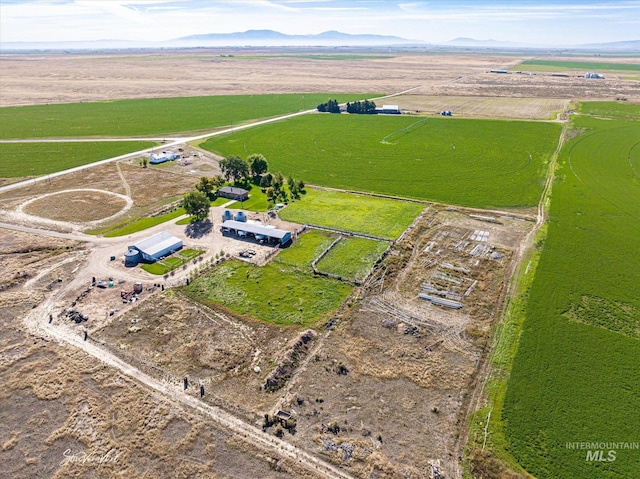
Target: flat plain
[[403, 374]]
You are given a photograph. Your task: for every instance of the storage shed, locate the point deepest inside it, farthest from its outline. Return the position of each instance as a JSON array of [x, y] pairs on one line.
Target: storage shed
[[233, 193], [157, 158], [256, 231], [153, 248]]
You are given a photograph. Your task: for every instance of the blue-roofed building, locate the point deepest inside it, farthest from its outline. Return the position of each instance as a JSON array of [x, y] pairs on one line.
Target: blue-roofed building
[[153, 248]]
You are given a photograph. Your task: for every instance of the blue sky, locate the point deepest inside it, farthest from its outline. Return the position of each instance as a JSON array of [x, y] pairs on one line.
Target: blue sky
[[544, 22]]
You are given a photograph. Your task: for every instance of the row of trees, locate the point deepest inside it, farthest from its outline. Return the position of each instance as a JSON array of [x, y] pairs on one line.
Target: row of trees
[[330, 106], [235, 168], [361, 107]]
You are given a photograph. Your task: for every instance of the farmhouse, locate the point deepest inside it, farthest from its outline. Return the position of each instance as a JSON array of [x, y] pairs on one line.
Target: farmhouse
[[257, 231], [157, 158], [238, 194], [594, 75], [388, 110], [152, 249]]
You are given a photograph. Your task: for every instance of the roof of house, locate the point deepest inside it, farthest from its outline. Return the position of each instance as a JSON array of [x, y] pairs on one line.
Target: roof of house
[[233, 190], [256, 229], [157, 243]]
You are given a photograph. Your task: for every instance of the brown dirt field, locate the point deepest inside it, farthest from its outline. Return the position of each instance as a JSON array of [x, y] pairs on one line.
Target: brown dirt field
[[61, 411], [481, 107], [150, 189], [56, 78], [77, 206]]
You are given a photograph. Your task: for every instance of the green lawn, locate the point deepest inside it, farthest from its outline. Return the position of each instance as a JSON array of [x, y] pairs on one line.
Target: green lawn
[[257, 201], [172, 262], [275, 293], [154, 116], [141, 224], [575, 376], [37, 159], [559, 65], [385, 218], [306, 248], [480, 163], [352, 258]]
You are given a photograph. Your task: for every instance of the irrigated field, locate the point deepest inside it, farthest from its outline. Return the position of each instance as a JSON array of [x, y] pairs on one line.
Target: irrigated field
[[155, 116], [275, 293], [35, 159], [560, 65], [575, 377], [381, 217], [610, 109], [352, 258], [480, 163]]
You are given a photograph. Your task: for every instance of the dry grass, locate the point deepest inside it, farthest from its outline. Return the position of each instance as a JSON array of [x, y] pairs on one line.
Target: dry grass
[[485, 107], [53, 399], [55, 78], [77, 206]]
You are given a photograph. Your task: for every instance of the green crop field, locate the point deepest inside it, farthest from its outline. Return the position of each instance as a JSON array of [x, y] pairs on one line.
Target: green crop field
[[276, 293], [155, 116], [381, 217], [558, 65], [575, 377], [352, 258], [480, 163], [610, 109], [36, 159], [306, 248]]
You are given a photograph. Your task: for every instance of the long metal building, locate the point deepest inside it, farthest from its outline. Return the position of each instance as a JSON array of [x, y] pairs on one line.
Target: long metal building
[[152, 249], [259, 232]]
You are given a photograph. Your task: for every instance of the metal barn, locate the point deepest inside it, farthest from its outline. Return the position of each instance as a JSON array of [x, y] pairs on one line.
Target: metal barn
[[153, 248]]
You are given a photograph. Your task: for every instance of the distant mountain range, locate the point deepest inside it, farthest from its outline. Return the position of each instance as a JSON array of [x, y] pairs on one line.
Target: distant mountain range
[[271, 38]]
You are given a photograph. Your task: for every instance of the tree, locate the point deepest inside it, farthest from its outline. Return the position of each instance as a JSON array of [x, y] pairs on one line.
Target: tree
[[206, 186], [265, 181], [361, 107], [331, 106], [258, 164], [196, 204], [234, 168], [217, 181]]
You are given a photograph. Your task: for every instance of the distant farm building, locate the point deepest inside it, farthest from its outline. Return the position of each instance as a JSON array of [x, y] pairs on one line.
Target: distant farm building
[[259, 232], [238, 194], [152, 249], [503, 72], [445, 112], [594, 75], [388, 110], [157, 158]]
